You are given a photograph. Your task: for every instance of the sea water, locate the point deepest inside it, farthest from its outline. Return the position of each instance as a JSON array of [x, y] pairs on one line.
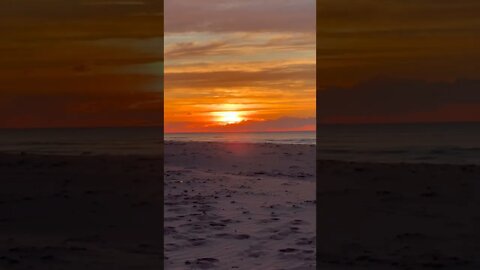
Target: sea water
[[454, 143]]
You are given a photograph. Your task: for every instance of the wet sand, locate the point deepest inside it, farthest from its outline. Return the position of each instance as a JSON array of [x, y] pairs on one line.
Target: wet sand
[[235, 206], [239, 206], [83, 212], [226, 205], [398, 216]]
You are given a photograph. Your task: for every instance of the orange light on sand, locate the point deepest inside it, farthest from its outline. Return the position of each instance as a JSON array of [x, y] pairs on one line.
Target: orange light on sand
[[228, 117]]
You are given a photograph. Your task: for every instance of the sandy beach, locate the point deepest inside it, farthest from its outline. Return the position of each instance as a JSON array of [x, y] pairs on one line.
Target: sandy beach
[[239, 206], [235, 206], [398, 216], [80, 212], [227, 206]]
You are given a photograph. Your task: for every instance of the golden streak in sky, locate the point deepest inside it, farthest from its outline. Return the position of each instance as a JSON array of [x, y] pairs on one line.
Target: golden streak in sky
[[240, 79]]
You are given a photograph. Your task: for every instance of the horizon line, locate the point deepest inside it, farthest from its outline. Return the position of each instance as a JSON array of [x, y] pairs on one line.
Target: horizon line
[[318, 124]]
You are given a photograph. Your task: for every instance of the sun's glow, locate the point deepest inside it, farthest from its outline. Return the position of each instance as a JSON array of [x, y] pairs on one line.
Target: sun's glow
[[228, 117]]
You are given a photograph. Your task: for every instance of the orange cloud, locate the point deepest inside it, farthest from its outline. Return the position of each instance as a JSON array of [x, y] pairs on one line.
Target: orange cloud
[[223, 74]]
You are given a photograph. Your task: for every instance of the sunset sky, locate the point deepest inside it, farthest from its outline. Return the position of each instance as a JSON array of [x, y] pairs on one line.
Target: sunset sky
[[398, 61], [244, 65], [82, 63], [237, 65]]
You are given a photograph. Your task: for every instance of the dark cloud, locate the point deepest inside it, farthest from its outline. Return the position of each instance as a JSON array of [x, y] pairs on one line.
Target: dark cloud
[[240, 46], [398, 13], [279, 124], [80, 63], [92, 100], [59, 20], [280, 77], [240, 16], [83, 10], [384, 98], [191, 49], [425, 39]]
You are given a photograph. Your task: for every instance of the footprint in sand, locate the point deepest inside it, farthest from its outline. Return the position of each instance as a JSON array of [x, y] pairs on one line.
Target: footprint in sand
[[232, 236], [203, 263]]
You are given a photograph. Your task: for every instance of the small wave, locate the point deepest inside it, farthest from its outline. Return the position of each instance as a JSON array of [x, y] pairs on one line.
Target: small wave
[[362, 152], [48, 143]]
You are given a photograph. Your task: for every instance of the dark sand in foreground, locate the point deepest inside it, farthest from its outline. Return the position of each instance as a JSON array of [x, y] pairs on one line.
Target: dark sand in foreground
[[398, 216], [227, 206], [85, 212]]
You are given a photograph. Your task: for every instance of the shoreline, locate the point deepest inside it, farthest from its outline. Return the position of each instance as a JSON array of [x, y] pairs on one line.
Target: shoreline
[[180, 142], [234, 142], [160, 156], [153, 153]]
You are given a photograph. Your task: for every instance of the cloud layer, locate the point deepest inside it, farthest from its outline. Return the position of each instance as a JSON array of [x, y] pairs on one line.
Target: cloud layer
[[255, 56], [80, 63], [401, 100], [429, 40], [240, 16], [279, 124], [430, 45]]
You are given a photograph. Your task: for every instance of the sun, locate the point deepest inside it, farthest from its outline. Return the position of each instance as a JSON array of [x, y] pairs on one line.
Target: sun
[[229, 117]]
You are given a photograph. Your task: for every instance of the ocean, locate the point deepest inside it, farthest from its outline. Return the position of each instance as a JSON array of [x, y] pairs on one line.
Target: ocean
[[81, 141], [292, 137], [445, 143], [456, 143]]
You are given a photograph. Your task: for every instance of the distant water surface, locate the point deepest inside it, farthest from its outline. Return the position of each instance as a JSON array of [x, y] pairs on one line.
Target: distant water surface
[[293, 137], [452, 143], [414, 143], [75, 141]]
